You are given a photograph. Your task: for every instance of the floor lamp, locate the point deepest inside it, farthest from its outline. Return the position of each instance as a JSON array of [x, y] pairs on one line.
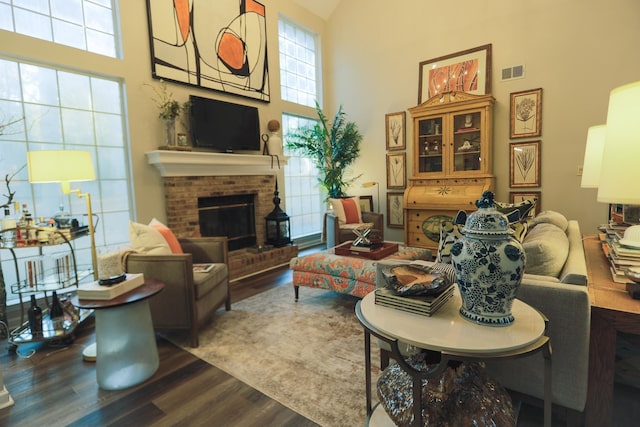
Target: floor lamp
[[66, 166]]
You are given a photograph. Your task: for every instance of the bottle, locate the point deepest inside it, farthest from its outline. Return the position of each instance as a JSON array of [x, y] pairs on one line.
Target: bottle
[[8, 222], [35, 318], [29, 225], [19, 225], [56, 314]]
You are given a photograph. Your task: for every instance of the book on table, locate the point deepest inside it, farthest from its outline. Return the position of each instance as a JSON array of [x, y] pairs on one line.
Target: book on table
[[202, 268], [422, 305], [96, 291]]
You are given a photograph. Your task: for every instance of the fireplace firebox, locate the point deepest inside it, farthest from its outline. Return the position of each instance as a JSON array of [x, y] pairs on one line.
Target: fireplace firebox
[[231, 216]]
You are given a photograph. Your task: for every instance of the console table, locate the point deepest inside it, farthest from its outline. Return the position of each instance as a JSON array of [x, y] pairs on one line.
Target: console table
[[612, 311], [126, 351], [454, 338]]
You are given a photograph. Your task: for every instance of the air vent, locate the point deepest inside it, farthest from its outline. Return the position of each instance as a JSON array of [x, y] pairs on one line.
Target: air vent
[[510, 73]]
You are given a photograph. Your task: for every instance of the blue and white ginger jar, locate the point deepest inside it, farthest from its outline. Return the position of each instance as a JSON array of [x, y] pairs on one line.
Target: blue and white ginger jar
[[489, 264]]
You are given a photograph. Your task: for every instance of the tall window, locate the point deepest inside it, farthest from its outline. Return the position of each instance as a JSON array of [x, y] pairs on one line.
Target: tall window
[[298, 69], [299, 79], [49, 107], [84, 24]]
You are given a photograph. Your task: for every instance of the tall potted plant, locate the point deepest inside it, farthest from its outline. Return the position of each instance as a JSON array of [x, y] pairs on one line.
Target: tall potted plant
[[331, 148]]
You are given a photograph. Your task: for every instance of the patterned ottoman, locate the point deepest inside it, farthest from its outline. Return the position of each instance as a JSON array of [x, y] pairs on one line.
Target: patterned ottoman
[[345, 274]]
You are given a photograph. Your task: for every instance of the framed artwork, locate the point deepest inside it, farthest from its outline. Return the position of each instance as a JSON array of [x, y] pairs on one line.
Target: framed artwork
[[219, 45], [516, 197], [396, 170], [395, 130], [526, 113], [395, 212], [465, 71], [524, 164], [366, 203]]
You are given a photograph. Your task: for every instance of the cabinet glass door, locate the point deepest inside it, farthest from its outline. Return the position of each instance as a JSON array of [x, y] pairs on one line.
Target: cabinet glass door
[[467, 142], [430, 145]]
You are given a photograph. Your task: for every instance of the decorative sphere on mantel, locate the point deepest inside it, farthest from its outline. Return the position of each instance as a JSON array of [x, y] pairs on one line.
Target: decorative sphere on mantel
[[489, 264]]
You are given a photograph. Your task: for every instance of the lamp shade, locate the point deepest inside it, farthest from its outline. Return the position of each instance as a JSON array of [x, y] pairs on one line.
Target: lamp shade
[[593, 157], [63, 166], [620, 171]]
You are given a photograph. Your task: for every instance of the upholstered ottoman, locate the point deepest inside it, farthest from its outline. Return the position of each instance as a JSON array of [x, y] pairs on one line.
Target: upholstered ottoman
[[344, 274]]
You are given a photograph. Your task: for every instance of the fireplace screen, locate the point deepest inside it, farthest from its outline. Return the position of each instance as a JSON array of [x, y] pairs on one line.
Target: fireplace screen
[[231, 216]]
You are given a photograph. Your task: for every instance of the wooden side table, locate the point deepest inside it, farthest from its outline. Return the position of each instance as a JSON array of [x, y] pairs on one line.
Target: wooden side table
[[126, 351], [612, 311], [455, 338]]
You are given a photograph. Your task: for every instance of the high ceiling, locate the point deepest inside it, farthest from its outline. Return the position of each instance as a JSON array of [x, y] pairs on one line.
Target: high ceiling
[[322, 8]]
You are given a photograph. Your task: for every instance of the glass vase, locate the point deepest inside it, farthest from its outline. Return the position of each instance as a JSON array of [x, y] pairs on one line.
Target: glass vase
[[170, 132]]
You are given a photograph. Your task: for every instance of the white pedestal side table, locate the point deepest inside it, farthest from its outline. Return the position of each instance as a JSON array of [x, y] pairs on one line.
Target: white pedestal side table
[[126, 350], [453, 337]]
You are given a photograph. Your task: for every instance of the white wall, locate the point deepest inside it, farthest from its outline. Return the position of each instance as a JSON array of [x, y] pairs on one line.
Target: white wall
[[576, 51]]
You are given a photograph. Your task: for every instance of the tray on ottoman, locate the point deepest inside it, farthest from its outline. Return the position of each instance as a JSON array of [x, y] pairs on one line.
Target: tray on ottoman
[[378, 253]]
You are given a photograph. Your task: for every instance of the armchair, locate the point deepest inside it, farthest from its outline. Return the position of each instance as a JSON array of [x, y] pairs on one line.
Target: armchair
[[337, 233], [189, 299]]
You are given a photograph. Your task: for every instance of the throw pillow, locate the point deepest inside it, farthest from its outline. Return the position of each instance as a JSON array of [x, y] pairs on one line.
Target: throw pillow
[[546, 248], [168, 235], [146, 239], [347, 210], [524, 208], [551, 217], [450, 232]]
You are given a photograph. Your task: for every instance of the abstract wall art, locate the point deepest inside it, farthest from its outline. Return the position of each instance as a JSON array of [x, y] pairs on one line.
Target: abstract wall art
[[219, 45]]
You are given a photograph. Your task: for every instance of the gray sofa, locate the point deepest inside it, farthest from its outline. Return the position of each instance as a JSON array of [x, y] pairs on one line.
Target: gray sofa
[[564, 300]]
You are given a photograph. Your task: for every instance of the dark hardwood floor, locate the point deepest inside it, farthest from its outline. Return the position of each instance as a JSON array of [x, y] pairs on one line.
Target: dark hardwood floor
[[53, 386]]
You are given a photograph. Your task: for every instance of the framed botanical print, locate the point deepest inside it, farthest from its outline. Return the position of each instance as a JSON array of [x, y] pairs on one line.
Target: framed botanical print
[[465, 71], [366, 203], [516, 197], [526, 114], [396, 170], [395, 212], [395, 129], [524, 164]]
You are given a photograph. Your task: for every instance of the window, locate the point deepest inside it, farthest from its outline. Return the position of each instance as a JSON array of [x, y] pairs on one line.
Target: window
[[303, 197], [84, 24], [298, 69], [47, 106], [299, 85]]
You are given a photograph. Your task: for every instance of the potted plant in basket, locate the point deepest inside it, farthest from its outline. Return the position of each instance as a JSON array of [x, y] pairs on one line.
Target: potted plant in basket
[[331, 148]]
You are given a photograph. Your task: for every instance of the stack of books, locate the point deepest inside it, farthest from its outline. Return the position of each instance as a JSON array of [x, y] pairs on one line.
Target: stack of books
[[620, 258], [422, 305]]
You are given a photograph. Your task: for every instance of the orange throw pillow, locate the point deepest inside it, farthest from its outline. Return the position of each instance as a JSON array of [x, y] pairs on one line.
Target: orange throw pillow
[[350, 211], [168, 235]]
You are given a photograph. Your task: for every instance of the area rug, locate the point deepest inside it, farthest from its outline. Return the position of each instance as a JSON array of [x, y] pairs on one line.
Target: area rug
[[307, 355]]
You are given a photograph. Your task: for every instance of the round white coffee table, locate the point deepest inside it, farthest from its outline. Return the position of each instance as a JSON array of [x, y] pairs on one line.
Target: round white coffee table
[[453, 337]]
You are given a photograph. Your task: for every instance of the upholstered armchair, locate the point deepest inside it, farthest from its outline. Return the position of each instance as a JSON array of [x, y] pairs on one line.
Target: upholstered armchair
[[189, 299], [337, 232]]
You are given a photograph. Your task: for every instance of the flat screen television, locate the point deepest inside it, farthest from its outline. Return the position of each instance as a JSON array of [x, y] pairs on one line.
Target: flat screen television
[[224, 126]]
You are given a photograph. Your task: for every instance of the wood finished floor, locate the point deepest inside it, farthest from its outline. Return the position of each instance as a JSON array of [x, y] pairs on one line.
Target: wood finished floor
[[52, 386]]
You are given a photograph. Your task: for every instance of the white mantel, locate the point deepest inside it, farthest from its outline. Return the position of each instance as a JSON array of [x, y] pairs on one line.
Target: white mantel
[[196, 163]]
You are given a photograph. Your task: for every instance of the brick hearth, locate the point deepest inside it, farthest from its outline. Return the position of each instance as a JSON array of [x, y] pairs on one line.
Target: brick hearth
[[182, 193]]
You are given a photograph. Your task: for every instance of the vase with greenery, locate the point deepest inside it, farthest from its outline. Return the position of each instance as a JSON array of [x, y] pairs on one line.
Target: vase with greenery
[[168, 111], [332, 147]]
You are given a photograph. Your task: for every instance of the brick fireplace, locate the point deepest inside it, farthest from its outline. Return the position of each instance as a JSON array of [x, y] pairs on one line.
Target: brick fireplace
[[189, 176]]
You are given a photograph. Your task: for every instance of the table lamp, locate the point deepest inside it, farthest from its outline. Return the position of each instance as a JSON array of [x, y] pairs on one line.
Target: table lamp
[[371, 184], [620, 171], [593, 156], [66, 166]]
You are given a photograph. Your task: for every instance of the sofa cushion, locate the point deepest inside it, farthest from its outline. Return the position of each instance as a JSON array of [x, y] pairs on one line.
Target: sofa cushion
[[206, 282], [524, 208], [168, 235], [551, 217], [147, 240], [347, 210], [546, 247]]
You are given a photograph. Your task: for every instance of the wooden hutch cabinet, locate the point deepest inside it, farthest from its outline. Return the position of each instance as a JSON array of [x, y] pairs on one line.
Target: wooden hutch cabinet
[[452, 144]]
